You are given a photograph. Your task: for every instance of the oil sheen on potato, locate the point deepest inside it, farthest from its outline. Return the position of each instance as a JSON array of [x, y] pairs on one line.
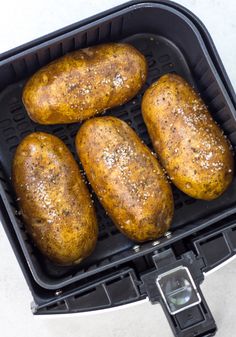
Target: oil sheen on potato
[[84, 83], [191, 146], [126, 177], [54, 201]]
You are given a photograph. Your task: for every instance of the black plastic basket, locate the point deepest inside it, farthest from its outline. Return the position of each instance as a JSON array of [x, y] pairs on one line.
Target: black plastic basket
[[173, 40]]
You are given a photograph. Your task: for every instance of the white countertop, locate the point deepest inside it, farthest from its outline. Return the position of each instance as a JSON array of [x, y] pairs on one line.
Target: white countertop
[[22, 21]]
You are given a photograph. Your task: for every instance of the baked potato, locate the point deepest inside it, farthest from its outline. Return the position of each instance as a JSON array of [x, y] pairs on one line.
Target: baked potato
[[53, 199], [190, 145], [126, 177], [84, 83]]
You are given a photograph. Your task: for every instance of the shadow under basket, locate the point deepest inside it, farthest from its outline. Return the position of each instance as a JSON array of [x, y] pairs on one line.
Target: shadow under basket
[[177, 47]]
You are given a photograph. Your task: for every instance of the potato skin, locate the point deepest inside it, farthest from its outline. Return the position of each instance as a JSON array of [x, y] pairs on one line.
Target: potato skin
[[84, 83], [54, 201], [126, 177], [190, 145]]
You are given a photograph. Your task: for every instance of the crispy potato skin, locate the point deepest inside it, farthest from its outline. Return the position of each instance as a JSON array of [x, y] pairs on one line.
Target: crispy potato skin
[[54, 201], [84, 83], [126, 177], [190, 145]]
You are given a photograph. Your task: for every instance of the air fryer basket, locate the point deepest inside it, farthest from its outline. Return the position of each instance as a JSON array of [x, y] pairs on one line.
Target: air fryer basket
[[176, 47]]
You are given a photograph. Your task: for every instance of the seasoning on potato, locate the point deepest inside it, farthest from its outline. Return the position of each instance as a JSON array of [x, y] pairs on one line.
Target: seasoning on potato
[[84, 83], [126, 177], [190, 145], [53, 199]]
